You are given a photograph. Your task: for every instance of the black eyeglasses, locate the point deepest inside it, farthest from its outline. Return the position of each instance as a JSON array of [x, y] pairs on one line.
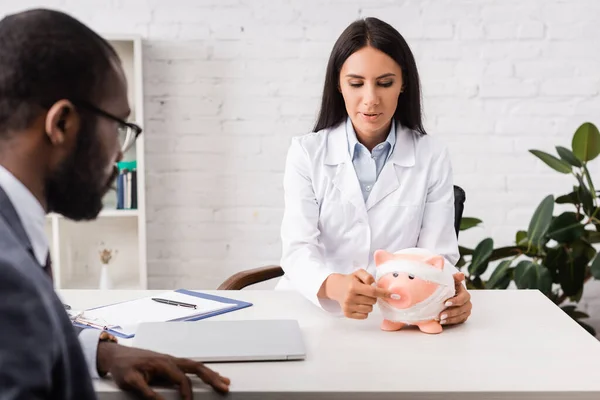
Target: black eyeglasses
[[128, 131]]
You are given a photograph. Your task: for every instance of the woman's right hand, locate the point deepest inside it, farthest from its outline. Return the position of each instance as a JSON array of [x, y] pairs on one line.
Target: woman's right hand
[[354, 292]]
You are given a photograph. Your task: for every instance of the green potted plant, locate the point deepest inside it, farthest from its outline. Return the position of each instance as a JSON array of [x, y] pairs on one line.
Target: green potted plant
[[555, 254]]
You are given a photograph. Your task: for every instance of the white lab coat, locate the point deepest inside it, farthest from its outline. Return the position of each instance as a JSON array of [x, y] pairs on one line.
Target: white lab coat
[[328, 228]]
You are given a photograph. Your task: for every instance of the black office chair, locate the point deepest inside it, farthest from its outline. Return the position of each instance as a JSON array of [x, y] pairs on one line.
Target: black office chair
[[459, 206], [249, 277]]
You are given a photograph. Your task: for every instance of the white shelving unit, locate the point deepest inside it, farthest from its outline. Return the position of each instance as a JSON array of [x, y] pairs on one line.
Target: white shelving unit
[[75, 246]]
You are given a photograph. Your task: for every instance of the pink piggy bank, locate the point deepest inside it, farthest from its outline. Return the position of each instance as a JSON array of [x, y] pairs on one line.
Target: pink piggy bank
[[420, 285]]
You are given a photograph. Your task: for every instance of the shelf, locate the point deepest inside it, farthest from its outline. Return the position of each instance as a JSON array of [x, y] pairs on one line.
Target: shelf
[[76, 246], [108, 213], [79, 282], [119, 213]]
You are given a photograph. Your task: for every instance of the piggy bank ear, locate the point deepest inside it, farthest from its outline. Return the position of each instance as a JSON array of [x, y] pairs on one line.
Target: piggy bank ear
[[436, 261], [382, 256]]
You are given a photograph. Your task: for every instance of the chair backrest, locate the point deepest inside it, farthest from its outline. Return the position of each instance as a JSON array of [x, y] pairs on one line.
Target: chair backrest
[[459, 205]]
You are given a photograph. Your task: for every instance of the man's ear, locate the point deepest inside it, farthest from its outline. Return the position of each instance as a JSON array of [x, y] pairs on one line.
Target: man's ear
[[62, 122]]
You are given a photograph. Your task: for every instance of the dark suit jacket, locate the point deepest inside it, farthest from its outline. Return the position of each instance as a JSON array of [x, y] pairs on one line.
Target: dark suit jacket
[[40, 355]]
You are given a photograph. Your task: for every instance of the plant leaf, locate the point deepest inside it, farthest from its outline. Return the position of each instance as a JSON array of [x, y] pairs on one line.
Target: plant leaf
[[521, 238], [554, 297], [499, 276], [573, 312], [464, 251], [592, 236], [540, 222], [576, 315], [503, 252], [587, 327], [584, 196], [580, 314], [504, 282], [525, 276], [570, 198], [544, 280], [586, 142], [529, 275], [481, 255], [589, 179], [556, 258], [555, 163], [595, 267], [475, 283], [566, 227], [568, 156], [586, 199], [571, 274], [569, 309], [469, 222], [575, 298]]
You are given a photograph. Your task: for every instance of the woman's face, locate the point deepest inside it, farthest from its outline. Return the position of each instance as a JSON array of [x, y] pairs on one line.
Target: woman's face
[[370, 82]]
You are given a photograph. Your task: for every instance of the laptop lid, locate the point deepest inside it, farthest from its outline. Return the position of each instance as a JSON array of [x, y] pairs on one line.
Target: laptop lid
[[224, 341]]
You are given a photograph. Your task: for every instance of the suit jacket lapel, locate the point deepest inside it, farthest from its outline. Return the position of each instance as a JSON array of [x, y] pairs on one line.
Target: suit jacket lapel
[[345, 179], [7, 210], [402, 156]]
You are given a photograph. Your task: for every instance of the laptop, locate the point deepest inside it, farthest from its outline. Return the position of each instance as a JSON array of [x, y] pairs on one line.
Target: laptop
[[224, 341]]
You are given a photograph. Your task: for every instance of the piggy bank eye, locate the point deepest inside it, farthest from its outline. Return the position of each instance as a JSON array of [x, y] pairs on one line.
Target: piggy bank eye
[[395, 274], [411, 276]]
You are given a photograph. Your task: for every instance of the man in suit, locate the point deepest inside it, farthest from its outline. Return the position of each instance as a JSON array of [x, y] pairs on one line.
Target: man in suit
[[63, 106]]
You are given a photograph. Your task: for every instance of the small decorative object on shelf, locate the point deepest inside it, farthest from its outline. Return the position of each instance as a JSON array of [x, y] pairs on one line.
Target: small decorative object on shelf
[[106, 255], [127, 185]]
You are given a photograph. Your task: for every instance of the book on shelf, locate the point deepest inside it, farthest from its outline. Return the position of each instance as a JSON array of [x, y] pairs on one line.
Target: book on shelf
[[127, 185]]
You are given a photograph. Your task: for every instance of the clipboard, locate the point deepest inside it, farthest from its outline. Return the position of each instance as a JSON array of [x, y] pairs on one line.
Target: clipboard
[[235, 305]]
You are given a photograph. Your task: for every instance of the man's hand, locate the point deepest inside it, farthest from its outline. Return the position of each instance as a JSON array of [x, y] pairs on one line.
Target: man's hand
[[136, 369], [458, 308], [354, 292]]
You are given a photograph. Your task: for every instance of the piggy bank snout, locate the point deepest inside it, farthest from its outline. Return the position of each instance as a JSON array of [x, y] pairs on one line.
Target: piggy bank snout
[[399, 294], [400, 297], [406, 290]]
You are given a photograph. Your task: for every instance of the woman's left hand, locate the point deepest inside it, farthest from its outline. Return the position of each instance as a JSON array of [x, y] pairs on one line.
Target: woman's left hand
[[458, 308]]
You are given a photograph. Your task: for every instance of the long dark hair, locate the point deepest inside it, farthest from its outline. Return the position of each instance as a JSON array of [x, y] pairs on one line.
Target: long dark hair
[[381, 36]]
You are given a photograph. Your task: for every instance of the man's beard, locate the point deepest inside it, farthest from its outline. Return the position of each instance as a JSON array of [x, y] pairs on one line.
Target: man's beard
[[76, 189]]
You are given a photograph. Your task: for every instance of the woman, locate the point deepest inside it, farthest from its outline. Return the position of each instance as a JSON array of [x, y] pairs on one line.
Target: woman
[[368, 177]]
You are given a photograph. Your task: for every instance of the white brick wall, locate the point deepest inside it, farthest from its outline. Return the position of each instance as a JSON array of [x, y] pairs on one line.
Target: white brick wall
[[228, 82]]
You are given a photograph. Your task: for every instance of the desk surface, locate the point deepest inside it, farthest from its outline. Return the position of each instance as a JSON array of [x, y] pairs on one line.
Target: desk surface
[[517, 344]]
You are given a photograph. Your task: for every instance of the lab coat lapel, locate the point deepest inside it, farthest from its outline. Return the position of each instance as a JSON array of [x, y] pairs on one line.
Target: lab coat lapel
[[387, 183], [345, 179], [402, 156], [347, 183]]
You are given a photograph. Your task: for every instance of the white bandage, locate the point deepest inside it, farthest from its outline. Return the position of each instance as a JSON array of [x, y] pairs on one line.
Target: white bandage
[[426, 310]]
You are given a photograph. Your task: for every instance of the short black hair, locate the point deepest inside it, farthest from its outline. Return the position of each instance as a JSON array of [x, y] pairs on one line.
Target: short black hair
[[381, 36], [46, 56]]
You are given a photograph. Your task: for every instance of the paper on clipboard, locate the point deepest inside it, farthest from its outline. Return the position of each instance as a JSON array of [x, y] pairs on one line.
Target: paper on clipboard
[[125, 317]]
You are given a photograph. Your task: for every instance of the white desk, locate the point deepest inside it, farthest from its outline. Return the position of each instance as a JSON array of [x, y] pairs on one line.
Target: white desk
[[516, 345]]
